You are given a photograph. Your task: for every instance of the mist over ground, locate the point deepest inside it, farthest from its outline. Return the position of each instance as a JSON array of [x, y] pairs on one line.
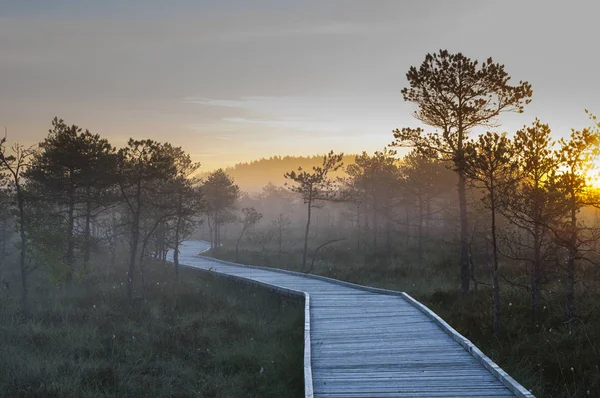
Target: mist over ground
[[333, 140]]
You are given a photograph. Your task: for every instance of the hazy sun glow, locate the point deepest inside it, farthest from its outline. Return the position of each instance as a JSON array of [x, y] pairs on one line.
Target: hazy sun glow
[[593, 178], [311, 79]]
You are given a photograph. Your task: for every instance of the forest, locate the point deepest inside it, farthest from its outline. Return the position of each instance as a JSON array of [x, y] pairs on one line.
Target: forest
[[497, 232], [252, 177]]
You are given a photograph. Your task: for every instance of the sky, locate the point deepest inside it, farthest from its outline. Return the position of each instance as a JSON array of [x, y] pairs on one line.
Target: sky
[[236, 80]]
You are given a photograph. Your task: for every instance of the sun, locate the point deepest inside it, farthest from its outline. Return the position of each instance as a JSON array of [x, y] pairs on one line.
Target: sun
[[593, 178]]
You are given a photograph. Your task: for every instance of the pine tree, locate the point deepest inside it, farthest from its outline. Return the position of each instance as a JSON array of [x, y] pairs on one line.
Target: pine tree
[[456, 95], [489, 162], [314, 188]]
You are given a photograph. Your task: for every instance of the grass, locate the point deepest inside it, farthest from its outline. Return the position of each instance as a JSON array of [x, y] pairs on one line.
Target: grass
[[545, 357], [200, 337]]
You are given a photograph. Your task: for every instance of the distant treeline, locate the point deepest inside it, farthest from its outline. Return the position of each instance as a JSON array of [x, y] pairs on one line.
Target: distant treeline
[[501, 233], [253, 176]]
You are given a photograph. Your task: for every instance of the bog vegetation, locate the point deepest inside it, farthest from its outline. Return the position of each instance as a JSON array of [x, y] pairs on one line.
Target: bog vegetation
[[497, 231], [199, 337]]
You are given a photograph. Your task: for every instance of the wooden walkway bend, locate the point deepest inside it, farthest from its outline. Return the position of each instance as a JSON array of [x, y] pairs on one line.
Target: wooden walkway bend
[[367, 342]]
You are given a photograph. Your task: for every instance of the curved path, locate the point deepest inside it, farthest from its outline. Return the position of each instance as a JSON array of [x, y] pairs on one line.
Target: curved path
[[366, 342]]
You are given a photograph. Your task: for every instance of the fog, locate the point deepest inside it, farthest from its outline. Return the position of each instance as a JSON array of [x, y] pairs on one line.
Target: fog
[[128, 268]]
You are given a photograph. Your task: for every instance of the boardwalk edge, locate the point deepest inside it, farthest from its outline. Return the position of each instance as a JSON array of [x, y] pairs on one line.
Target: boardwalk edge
[[308, 382], [510, 383]]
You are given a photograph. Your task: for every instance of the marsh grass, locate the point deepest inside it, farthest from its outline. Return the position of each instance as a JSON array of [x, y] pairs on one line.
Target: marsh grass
[[543, 357], [199, 337]]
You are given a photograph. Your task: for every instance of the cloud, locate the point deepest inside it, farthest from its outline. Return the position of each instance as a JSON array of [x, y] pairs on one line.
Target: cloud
[[338, 116], [216, 102], [291, 123]]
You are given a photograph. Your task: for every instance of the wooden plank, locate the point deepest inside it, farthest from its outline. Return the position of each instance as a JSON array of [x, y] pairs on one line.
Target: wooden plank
[[369, 342]]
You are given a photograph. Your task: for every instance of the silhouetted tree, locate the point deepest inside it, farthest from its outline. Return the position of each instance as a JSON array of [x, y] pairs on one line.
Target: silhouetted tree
[[250, 217], [15, 166], [98, 181], [142, 166], [314, 187], [533, 206], [220, 193], [5, 217], [55, 172], [576, 157], [189, 202], [373, 181], [456, 94], [489, 162], [72, 172], [276, 199], [423, 178], [280, 225]]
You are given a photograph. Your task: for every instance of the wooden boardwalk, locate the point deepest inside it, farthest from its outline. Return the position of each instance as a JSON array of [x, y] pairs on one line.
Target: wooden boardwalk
[[366, 342]]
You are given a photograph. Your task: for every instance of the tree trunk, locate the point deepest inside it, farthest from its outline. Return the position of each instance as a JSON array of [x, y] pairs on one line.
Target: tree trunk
[[358, 231], [388, 233], [142, 274], [210, 233], [70, 255], [87, 230], [367, 225], [406, 227], [217, 236], [314, 257], [496, 283], [464, 236], [374, 227], [4, 237], [25, 292], [571, 312], [176, 248], [23, 255], [306, 236], [113, 244], [535, 274], [420, 232], [428, 219], [237, 244], [135, 236], [142, 269], [159, 243]]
